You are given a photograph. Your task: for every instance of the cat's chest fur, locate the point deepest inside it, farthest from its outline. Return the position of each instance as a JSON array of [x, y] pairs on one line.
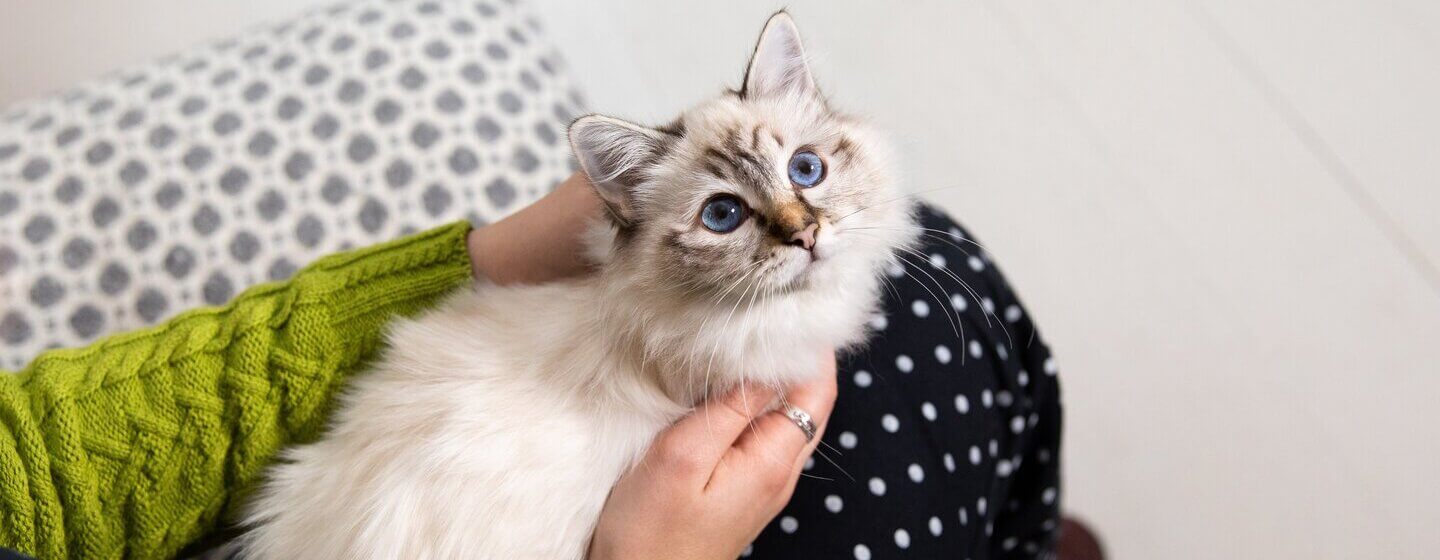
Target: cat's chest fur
[[495, 426]]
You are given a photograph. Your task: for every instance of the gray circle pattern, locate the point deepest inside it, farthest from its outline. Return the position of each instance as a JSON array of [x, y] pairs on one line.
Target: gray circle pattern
[[183, 182]]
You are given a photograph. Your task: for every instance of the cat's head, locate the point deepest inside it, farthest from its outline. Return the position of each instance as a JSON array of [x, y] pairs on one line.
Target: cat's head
[[766, 190]]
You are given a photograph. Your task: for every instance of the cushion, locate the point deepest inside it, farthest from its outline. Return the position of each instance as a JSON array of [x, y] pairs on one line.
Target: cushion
[[181, 183]]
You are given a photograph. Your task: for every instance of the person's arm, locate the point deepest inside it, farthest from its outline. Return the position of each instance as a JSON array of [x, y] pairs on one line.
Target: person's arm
[[140, 443], [541, 242], [143, 442]]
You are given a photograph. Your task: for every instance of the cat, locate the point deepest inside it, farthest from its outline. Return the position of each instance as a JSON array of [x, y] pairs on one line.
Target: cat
[[737, 243]]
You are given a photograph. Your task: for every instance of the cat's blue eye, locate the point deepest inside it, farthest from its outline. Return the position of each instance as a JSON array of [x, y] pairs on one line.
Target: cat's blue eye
[[806, 169], [723, 214]]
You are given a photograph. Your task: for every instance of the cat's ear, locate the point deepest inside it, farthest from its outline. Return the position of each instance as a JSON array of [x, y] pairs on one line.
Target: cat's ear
[[613, 153], [778, 67]]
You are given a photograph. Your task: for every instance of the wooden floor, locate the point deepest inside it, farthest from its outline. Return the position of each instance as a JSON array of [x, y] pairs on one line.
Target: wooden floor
[[1223, 213]]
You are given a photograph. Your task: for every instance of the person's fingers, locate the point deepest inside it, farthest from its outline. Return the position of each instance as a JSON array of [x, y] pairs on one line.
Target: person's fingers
[[693, 445], [766, 461], [776, 437]]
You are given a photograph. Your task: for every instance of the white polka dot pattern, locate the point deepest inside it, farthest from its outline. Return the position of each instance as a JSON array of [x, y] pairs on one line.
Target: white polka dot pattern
[[902, 538], [933, 428]]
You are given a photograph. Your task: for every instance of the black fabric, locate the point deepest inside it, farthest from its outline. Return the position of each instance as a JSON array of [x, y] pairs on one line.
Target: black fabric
[[952, 438]]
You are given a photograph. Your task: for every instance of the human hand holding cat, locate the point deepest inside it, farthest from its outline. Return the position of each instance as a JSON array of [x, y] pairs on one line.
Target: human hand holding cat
[[713, 480]]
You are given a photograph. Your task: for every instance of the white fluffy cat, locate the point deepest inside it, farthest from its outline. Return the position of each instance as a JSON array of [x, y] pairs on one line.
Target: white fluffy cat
[[741, 239]]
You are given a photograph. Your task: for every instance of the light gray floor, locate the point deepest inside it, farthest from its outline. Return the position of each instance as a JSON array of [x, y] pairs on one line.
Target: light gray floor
[[1223, 213]]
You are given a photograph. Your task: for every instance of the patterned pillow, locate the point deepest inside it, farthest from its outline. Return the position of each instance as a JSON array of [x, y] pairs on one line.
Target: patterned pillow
[[182, 183]]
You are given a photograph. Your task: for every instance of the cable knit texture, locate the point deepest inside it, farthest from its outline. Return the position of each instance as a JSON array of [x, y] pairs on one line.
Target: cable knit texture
[[141, 443]]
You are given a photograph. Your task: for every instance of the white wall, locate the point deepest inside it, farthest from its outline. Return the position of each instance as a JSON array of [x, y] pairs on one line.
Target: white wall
[[1223, 214], [46, 45]]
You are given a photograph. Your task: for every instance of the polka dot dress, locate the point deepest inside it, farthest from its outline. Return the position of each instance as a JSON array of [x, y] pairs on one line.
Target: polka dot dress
[[944, 441]]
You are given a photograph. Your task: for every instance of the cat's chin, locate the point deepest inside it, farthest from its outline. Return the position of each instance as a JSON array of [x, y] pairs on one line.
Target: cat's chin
[[797, 273]]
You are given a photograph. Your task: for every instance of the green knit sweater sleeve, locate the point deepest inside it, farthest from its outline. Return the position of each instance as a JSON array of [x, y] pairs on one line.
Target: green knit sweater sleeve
[[145, 441]]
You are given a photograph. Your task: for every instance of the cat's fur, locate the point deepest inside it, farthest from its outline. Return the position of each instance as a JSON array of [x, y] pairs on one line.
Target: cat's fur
[[495, 426]]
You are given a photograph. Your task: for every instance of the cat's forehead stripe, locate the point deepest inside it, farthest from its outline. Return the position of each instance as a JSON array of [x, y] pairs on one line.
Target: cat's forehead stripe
[[845, 148], [716, 159], [751, 170], [713, 169]]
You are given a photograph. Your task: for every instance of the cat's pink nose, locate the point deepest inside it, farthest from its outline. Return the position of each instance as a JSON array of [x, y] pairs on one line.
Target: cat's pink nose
[[805, 237]]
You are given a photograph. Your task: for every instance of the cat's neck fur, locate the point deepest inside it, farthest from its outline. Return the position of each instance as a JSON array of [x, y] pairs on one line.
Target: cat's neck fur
[[684, 346]]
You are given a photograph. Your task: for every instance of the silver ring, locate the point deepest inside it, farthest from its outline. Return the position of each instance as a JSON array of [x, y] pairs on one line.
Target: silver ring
[[802, 420]]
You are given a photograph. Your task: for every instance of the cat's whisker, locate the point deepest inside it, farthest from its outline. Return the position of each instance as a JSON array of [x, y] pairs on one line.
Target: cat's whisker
[[914, 195], [740, 276], [770, 359], [715, 347], [954, 326], [949, 310], [965, 286], [932, 233], [975, 296], [785, 406], [693, 285], [960, 333], [890, 287], [956, 323], [832, 461], [956, 237], [939, 235], [876, 205], [718, 299]]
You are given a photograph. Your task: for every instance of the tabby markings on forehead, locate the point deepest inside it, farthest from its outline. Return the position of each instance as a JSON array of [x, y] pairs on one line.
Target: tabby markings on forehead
[[712, 156], [746, 166], [714, 170], [844, 148]]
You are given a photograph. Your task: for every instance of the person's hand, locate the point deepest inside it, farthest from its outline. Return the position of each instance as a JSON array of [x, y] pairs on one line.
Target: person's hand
[[540, 242], [710, 483]]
